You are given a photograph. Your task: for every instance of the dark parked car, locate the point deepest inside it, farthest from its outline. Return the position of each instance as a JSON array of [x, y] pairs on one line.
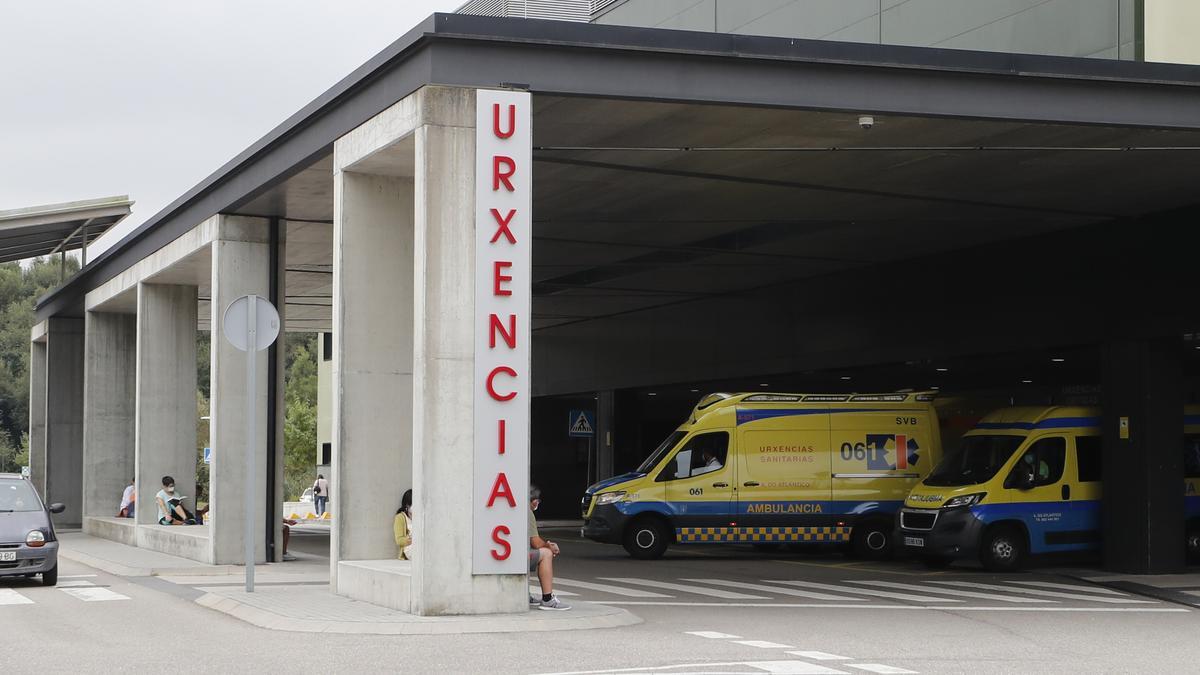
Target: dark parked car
[[28, 545]]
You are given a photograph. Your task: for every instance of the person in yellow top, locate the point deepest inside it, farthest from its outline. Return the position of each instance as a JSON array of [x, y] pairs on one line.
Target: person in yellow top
[[402, 527]]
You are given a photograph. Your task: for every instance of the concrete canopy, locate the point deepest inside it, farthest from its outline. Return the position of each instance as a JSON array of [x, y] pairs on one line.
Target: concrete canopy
[[52, 228], [676, 165]]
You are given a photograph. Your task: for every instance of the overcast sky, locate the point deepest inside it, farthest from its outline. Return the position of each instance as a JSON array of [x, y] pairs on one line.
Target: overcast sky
[[147, 97]]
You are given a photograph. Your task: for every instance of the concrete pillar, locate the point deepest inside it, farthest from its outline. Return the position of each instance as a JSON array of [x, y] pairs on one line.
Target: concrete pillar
[[603, 441], [372, 363], [37, 409], [241, 265], [64, 419], [110, 366], [165, 394], [443, 371], [1143, 509]]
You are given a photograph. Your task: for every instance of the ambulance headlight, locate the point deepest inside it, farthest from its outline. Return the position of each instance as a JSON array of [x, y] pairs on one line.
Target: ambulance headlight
[[964, 500], [609, 497]]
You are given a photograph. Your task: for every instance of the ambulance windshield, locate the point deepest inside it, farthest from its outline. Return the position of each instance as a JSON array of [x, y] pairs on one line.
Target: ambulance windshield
[[665, 447], [976, 460]]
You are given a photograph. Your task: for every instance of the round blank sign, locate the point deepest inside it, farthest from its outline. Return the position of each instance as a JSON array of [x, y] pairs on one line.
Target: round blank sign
[[237, 323]]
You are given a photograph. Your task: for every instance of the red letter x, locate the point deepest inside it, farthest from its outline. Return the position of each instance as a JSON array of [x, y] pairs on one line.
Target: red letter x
[[502, 226]]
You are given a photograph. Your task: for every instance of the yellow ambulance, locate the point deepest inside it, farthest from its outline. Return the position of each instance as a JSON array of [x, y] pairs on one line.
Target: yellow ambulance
[[1025, 481], [773, 468]]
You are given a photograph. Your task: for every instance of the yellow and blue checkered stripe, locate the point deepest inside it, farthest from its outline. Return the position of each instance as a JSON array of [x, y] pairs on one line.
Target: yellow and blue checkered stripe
[[704, 535]]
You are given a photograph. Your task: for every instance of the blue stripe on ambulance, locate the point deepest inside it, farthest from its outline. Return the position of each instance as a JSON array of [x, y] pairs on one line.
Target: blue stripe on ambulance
[[745, 416], [1047, 521], [782, 508]]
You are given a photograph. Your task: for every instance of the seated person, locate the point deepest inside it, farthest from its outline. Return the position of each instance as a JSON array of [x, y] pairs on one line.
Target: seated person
[[128, 502], [170, 506], [287, 537], [711, 463]]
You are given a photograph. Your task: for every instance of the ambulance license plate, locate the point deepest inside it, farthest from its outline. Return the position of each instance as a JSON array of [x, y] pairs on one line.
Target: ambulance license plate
[[8, 556], [914, 541]]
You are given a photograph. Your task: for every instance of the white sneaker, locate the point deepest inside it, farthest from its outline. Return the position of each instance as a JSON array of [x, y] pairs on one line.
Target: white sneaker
[[553, 603], [534, 600]]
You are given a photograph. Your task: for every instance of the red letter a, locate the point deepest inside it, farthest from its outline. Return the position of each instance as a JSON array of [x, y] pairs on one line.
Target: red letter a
[[501, 489]]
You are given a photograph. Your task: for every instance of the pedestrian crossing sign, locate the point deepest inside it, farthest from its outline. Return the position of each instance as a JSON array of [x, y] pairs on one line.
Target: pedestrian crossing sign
[[582, 424]]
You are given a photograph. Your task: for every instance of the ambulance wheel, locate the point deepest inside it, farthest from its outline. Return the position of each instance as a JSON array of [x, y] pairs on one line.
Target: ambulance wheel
[[872, 540], [1003, 549], [1193, 544], [647, 538]]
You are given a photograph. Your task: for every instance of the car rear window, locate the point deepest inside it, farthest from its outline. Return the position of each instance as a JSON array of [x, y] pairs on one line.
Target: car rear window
[[18, 495]]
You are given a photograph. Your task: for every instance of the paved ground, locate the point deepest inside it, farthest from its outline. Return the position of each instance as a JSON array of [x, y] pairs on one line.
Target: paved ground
[[710, 610]]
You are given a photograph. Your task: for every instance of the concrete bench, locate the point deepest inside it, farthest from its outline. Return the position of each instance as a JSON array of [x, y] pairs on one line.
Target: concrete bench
[[186, 541], [381, 582], [121, 530]]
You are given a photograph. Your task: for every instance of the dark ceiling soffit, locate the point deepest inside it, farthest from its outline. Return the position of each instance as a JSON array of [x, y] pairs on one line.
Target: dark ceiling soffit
[[646, 71]]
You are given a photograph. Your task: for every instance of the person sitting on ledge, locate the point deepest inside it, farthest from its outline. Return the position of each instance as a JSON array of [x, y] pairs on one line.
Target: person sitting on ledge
[[170, 505]]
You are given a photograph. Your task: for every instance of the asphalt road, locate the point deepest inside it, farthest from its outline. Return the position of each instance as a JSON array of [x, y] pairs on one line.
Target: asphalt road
[[706, 610]]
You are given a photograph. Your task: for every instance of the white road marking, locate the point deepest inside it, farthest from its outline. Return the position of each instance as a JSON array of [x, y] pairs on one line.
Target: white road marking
[[1049, 594], [951, 591], [605, 588], [698, 590], [77, 576], [880, 668], [776, 589], [1072, 587], [74, 583], [820, 656], [935, 608], [866, 591], [712, 635], [698, 668], [93, 594], [535, 590], [10, 597], [763, 644], [794, 668]]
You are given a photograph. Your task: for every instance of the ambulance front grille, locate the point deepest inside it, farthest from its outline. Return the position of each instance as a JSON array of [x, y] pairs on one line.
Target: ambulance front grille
[[917, 520]]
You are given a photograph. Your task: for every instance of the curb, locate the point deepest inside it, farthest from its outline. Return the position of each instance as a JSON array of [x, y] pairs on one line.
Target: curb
[[458, 625], [126, 571], [1170, 595]]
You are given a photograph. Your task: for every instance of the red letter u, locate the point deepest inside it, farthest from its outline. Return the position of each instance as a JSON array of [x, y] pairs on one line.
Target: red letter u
[[512, 120]]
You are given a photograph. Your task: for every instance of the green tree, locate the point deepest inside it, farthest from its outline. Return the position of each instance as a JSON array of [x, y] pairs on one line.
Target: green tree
[[300, 417]]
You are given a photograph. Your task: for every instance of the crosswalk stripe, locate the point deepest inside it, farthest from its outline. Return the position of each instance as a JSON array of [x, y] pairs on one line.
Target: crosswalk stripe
[[70, 583], [698, 590], [712, 635], [820, 656], [77, 576], [1072, 587], [949, 591], [763, 644], [881, 669], [864, 591], [10, 597], [93, 594], [794, 668], [1048, 594], [534, 590], [775, 589], [605, 588]]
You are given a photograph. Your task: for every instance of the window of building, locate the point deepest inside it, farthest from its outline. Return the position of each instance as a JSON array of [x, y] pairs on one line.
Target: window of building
[[326, 452], [1087, 453], [326, 346]]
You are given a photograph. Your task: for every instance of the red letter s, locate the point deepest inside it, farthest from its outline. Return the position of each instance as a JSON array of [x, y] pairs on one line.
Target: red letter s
[[498, 535]]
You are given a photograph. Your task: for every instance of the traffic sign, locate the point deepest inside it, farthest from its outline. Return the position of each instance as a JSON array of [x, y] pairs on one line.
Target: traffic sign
[[245, 323], [208, 455], [582, 424]]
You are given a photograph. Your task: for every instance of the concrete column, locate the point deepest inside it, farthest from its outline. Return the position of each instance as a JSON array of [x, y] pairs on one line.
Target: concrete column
[[1143, 510], [37, 409], [603, 441], [64, 419], [165, 394], [110, 366], [372, 363], [443, 370], [241, 264]]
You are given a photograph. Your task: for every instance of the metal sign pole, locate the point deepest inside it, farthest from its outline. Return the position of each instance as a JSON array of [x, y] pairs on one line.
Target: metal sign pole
[[251, 399]]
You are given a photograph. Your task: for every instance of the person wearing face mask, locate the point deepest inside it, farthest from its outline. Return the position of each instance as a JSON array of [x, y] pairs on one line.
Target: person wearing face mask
[[541, 559], [170, 505]]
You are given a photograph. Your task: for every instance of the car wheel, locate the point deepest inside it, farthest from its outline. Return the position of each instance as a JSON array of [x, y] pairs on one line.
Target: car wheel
[[50, 576], [1193, 544], [647, 539], [1003, 549], [872, 540], [935, 562]]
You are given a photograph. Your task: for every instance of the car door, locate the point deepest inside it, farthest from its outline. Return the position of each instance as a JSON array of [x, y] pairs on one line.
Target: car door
[[1085, 493], [1042, 496], [699, 479], [784, 472]]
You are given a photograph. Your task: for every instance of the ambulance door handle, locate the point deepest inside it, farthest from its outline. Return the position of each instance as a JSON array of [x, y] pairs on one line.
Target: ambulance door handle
[[750, 483], [1066, 492], [720, 484]]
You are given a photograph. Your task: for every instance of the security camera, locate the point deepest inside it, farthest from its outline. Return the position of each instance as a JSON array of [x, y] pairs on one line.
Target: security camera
[[866, 121]]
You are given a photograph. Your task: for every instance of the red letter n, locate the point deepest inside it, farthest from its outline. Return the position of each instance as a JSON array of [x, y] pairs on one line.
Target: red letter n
[[509, 336]]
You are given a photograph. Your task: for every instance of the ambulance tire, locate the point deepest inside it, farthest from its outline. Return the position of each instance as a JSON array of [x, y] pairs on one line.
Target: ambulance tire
[[1003, 549], [1193, 543], [647, 538], [872, 540]]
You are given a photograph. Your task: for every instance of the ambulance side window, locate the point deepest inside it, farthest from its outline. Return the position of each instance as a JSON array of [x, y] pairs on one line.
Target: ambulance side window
[[701, 454], [1043, 461], [1087, 454]]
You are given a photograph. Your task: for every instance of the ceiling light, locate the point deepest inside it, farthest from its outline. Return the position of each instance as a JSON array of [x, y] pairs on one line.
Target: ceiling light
[[695, 391], [651, 393], [1026, 381], [763, 384], [934, 387], [1060, 360], [845, 377], [943, 370]]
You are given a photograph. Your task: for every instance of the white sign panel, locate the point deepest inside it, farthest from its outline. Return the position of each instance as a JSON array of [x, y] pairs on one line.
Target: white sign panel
[[503, 282]]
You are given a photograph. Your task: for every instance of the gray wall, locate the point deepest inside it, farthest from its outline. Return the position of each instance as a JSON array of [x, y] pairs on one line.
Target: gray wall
[[1093, 28]]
